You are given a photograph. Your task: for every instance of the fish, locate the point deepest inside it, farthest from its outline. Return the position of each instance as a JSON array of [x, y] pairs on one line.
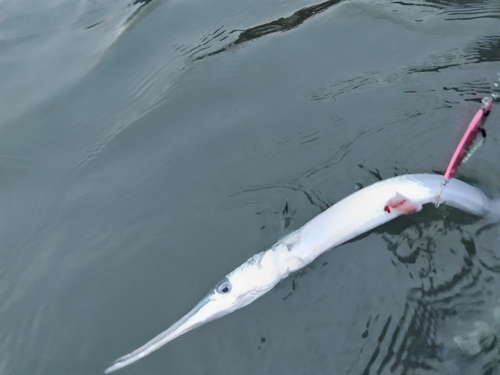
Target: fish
[[352, 216]]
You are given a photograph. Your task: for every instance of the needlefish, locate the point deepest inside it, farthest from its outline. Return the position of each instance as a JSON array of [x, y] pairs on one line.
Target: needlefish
[[352, 216]]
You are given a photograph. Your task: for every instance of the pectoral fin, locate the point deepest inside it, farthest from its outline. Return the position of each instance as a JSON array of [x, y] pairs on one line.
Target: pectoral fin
[[401, 205]]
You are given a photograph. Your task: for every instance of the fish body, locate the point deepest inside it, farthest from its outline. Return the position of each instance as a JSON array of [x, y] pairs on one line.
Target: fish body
[[366, 209]]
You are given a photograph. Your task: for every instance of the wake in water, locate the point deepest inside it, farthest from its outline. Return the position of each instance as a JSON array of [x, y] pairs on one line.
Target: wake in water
[[68, 41]]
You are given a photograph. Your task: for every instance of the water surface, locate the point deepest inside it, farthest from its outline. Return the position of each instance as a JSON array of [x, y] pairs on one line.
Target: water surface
[[148, 148]]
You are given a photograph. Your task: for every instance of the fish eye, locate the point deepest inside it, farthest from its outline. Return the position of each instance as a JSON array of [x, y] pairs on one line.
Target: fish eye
[[223, 286]]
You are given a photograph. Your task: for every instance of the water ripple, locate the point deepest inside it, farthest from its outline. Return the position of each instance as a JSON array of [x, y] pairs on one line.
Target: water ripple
[[421, 340], [486, 49], [455, 10], [281, 24]]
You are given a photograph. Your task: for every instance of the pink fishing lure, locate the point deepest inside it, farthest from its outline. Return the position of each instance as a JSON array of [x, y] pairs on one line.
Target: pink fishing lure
[[470, 135]]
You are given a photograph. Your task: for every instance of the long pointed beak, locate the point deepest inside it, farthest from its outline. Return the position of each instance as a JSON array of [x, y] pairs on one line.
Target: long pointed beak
[[208, 309], [245, 284]]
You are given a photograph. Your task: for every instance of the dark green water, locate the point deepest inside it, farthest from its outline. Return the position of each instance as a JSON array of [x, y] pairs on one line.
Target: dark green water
[[146, 150]]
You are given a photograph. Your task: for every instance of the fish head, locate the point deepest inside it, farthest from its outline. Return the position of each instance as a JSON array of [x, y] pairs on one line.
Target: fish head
[[245, 284]]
